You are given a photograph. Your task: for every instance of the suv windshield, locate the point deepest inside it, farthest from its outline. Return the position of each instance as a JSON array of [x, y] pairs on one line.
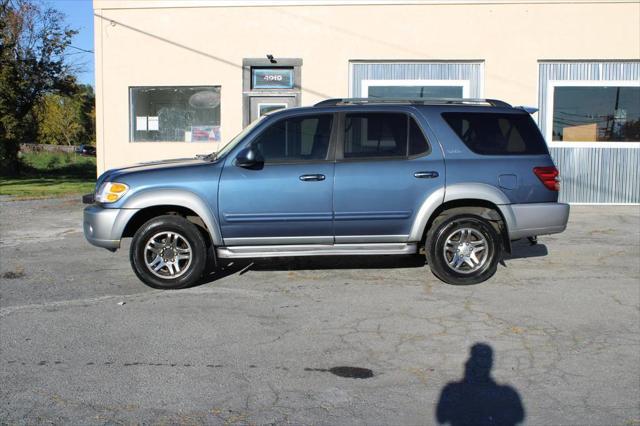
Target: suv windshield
[[497, 134], [233, 142]]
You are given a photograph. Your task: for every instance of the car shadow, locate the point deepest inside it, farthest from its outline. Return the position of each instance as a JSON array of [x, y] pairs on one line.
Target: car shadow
[[226, 267], [522, 249], [477, 399]]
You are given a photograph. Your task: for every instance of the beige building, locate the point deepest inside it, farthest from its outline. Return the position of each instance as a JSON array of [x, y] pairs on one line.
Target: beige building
[[175, 78]]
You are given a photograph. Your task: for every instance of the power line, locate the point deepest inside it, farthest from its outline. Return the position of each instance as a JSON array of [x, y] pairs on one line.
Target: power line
[[80, 49]]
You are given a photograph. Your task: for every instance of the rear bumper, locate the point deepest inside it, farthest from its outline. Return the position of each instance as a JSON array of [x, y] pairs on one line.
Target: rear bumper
[[527, 220], [104, 227]]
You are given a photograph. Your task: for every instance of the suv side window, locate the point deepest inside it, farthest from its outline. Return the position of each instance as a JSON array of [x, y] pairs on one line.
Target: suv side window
[[376, 134], [417, 142], [303, 138], [497, 133]]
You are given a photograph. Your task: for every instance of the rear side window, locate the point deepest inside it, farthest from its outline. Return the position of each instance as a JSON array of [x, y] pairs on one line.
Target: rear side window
[[497, 134], [417, 143], [372, 135]]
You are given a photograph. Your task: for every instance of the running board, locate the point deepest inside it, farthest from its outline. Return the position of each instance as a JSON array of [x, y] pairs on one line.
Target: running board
[[237, 252]]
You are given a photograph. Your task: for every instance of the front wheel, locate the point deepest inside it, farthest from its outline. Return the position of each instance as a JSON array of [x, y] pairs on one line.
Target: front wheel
[[463, 249], [168, 252]]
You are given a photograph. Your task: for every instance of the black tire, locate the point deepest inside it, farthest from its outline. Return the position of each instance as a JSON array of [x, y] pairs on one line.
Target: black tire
[[447, 225], [187, 231]]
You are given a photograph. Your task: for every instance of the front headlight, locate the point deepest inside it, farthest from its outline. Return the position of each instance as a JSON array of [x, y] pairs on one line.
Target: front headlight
[[110, 192]]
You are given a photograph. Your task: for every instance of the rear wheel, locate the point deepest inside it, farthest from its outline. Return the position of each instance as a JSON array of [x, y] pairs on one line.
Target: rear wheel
[[168, 252], [463, 249]]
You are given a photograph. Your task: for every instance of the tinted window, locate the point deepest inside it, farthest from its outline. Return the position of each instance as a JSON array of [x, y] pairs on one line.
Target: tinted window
[[497, 134], [417, 143], [594, 114], [368, 135], [295, 139]]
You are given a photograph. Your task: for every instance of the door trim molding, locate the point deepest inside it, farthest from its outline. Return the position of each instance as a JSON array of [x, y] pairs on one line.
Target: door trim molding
[[276, 217], [246, 241], [381, 215], [371, 239]]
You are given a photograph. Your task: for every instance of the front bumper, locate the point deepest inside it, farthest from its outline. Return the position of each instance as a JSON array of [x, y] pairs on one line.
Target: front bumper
[[528, 220], [104, 227]]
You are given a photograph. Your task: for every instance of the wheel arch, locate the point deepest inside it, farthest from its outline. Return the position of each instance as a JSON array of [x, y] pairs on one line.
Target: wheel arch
[[155, 203], [483, 208], [476, 198]]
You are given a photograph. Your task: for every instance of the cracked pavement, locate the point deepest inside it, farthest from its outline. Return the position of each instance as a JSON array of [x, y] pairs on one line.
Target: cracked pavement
[[257, 343]]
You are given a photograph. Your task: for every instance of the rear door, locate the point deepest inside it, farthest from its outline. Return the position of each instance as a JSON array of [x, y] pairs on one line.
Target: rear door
[[385, 169]]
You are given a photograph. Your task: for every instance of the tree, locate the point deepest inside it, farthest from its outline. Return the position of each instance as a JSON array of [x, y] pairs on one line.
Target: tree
[[67, 119], [33, 40], [88, 112], [59, 120]]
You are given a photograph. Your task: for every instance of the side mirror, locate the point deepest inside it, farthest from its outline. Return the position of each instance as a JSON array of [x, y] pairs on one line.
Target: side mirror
[[249, 158]]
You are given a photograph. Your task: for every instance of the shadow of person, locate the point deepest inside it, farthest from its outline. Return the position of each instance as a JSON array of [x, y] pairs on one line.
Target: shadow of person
[[477, 399]]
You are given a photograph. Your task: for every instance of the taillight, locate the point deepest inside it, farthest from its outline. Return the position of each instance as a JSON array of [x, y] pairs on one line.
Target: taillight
[[549, 176]]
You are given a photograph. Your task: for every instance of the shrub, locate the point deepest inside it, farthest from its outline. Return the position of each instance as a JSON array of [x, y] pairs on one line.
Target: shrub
[[58, 164]]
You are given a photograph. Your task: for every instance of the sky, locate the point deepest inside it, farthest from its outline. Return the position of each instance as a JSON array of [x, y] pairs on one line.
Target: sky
[[79, 16]]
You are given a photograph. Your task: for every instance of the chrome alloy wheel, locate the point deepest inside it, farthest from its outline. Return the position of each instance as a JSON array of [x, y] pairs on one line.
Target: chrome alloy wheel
[[466, 250], [167, 255]]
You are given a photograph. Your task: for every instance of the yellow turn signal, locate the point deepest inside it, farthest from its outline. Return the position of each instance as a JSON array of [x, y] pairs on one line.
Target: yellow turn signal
[[110, 192], [117, 188]]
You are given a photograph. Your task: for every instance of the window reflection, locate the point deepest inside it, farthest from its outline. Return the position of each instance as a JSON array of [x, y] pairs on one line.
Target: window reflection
[[175, 114], [602, 114], [400, 92], [295, 139]]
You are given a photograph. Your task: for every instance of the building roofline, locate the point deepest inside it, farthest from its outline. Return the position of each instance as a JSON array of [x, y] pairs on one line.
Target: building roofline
[[161, 4]]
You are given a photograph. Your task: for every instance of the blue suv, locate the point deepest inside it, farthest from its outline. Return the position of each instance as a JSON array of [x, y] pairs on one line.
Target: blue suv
[[457, 180]]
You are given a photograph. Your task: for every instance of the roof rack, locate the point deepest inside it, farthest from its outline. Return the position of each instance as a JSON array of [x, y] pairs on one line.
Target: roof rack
[[413, 101]]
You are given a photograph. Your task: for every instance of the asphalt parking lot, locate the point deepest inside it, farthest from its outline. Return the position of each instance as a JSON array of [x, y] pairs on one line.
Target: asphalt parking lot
[[553, 338]]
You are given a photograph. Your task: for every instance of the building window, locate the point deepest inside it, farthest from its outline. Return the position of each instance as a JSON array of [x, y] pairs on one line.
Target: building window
[[438, 78], [267, 107], [403, 89], [601, 112], [175, 114]]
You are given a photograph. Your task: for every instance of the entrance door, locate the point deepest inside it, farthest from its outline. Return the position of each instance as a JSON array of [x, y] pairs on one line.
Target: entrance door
[[289, 199], [261, 105]]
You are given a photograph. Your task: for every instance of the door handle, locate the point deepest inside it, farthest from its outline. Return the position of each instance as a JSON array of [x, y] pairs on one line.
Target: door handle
[[310, 178], [426, 175]]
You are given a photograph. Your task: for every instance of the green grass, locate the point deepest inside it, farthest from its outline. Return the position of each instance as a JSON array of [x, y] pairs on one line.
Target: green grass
[[26, 188], [50, 174]]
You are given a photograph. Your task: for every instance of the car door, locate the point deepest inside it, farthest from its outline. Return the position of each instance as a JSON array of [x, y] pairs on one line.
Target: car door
[[289, 199], [385, 170]]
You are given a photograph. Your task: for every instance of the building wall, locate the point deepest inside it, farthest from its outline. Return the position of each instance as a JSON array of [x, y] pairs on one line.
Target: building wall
[[155, 43]]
